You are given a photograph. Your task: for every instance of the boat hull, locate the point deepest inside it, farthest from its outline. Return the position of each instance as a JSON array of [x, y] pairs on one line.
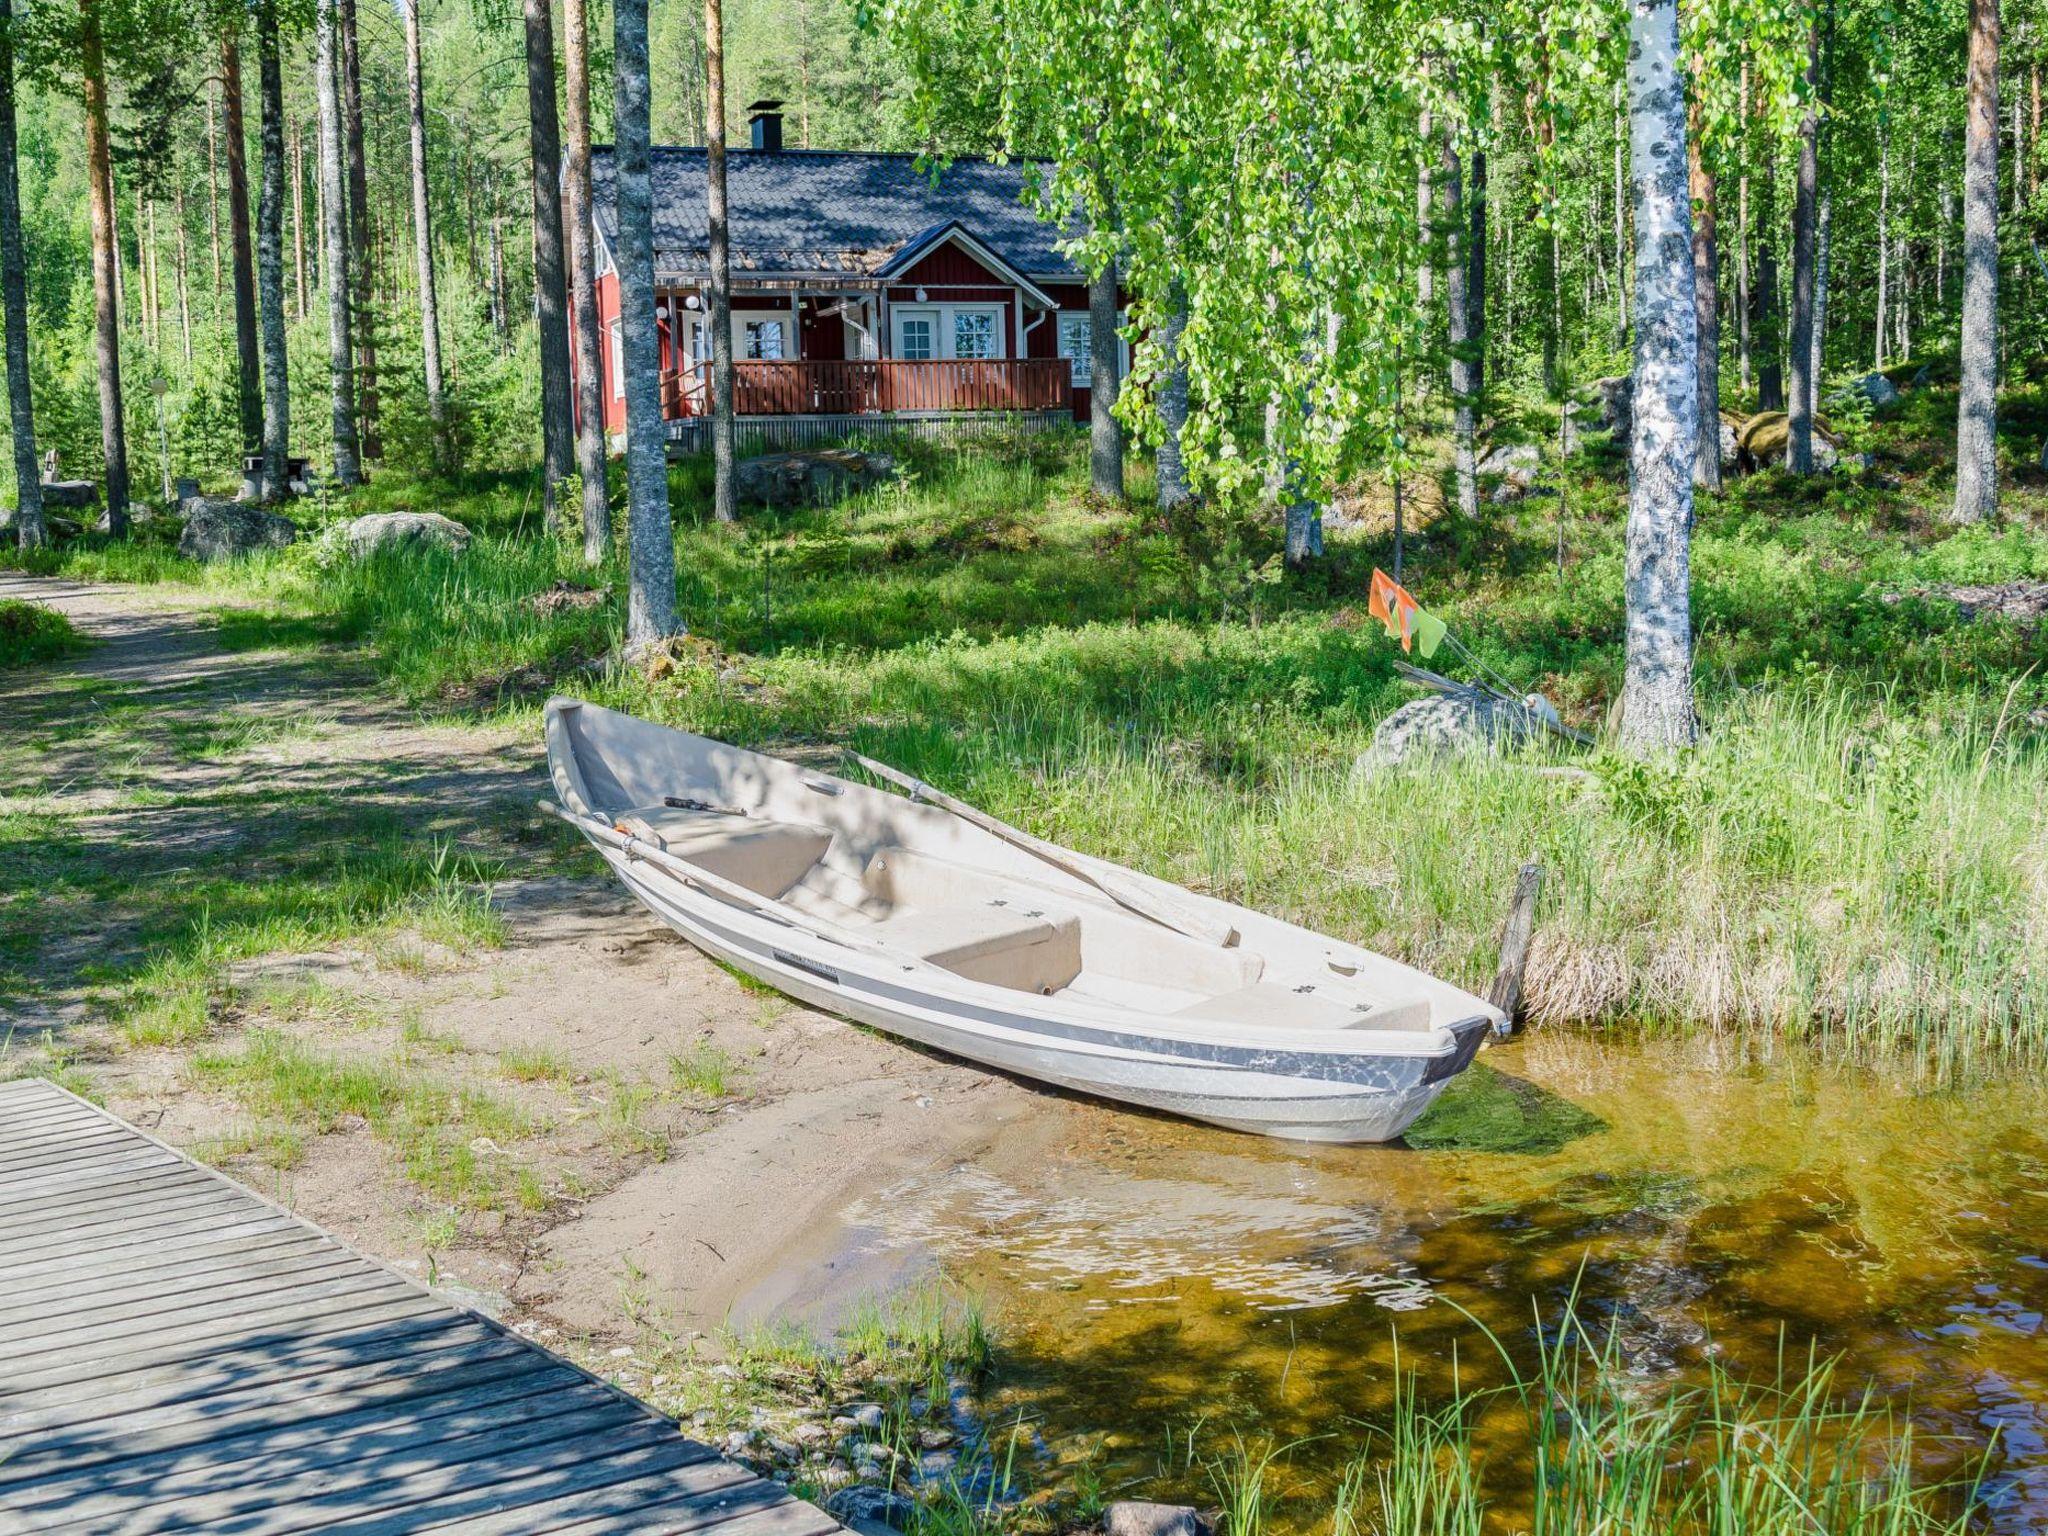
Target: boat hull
[[1320, 1096]]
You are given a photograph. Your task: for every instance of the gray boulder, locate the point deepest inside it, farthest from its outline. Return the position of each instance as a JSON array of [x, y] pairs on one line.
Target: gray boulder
[[217, 529], [1515, 462], [1141, 1517], [405, 531], [1444, 725], [1616, 397], [811, 477], [76, 494], [865, 1507], [1877, 389]]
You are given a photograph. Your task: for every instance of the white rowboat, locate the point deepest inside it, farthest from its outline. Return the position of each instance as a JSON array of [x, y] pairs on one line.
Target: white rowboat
[[946, 927]]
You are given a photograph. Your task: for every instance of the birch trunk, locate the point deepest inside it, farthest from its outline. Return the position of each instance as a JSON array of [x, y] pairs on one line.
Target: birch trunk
[[106, 263], [334, 236], [597, 512], [1799, 400], [1475, 280], [29, 529], [1657, 699], [423, 240], [1884, 209], [277, 399], [1105, 432], [248, 359], [1706, 282], [1170, 469], [650, 540], [549, 287], [184, 290], [1620, 225], [1742, 292], [725, 497], [1450, 217], [1425, 214], [305, 303], [361, 263], [1976, 419]]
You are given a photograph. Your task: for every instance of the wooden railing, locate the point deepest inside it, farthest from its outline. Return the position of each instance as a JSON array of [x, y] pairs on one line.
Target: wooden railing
[[873, 386]]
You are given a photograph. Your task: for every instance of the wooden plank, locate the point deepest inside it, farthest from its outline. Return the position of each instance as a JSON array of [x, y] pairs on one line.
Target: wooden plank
[[59, 1142], [214, 1320], [102, 1242], [204, 1232], [77, 1178], [155, 1300], [34, 1225], [138, 1184], [184, 1347], [280, 1421], [515, 1486], [228, 1261], [606, 1447], [180, 1379], [400, 1444], [704, 1496]]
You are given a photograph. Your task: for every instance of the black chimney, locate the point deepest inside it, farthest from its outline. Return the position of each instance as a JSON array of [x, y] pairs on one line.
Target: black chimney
[[765, 118]]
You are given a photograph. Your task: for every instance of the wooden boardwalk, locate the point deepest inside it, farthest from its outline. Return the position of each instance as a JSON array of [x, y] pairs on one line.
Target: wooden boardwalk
[[179, 1354]]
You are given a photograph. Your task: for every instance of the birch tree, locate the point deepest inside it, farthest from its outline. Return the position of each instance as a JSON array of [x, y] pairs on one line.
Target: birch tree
[[550, 295], [28, 485], [277, 397], [335, 244], [650, 541], [597, 513], [1977, 411], [1657, 696], [423, 240]]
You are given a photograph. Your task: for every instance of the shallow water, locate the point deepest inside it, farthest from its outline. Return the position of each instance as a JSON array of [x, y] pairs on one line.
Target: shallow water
[[1146, 1275]]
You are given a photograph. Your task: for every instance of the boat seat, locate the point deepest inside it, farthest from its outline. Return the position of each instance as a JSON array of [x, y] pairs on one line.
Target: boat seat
[[972, 924], [767, 857], [1277, 1005]]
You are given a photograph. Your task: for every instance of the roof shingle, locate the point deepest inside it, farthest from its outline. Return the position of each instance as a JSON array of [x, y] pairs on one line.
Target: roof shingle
[[829, 211]]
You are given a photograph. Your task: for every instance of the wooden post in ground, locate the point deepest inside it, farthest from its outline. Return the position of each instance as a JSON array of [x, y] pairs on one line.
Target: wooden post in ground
[[1506, 991]]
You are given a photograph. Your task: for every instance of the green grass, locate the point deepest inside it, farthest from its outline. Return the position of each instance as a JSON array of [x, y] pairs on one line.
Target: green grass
[[435, 1129], [1854, 856], [30, 632], [706, 1069]]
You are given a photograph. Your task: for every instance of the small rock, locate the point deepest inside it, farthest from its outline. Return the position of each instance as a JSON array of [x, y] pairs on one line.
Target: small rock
[[867, 1415], [1140, 1517], [936, 1439], [1616, 398], [784, 1450], [1877, 389], [226, 530], [405, 531], [1515, 463], [863, 1505], [812, 1434]]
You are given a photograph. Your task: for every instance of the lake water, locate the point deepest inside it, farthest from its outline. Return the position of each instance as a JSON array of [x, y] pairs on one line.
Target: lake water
[[1144, 1275]]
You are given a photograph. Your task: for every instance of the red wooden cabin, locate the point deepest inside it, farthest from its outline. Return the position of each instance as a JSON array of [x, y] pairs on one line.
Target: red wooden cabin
[[862, 287]]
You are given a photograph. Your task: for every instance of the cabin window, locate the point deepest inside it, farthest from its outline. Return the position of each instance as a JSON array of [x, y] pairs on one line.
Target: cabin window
[[917, 336], [618, 360], [1077, 346], [765, 340], [974, 333]]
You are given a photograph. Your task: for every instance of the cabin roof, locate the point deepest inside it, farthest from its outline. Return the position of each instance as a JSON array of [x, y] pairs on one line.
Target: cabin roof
[[823, 212]]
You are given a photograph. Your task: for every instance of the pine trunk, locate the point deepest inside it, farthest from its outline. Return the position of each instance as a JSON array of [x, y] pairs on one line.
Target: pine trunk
[[277, 399], [597, 513], [361, 261], [213, 184], [305, 303], [248, 358], [1706, 281], [423, 242], [1657, 697], [1977, 414], [724, 496], [1805, 217], [184, 291], [1105, 432], [650, 538], [1475, 282], [550, 290], [106, 264], [29, 529]]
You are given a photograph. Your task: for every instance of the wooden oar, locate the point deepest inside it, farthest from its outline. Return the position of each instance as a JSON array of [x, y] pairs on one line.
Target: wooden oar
[[1163, 910]]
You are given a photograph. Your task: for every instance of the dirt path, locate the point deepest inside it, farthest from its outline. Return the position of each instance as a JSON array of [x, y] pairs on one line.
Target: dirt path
[[583, 1121]]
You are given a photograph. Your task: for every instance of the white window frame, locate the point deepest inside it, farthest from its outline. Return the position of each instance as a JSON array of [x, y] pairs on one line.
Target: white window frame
[[784, 327], [1081, 363], [941, 316], [615, 339]]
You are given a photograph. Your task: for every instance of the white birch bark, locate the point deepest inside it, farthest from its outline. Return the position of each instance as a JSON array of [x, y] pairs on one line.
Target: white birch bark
[[334, 237], [1977, 414], [1657, 698]]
